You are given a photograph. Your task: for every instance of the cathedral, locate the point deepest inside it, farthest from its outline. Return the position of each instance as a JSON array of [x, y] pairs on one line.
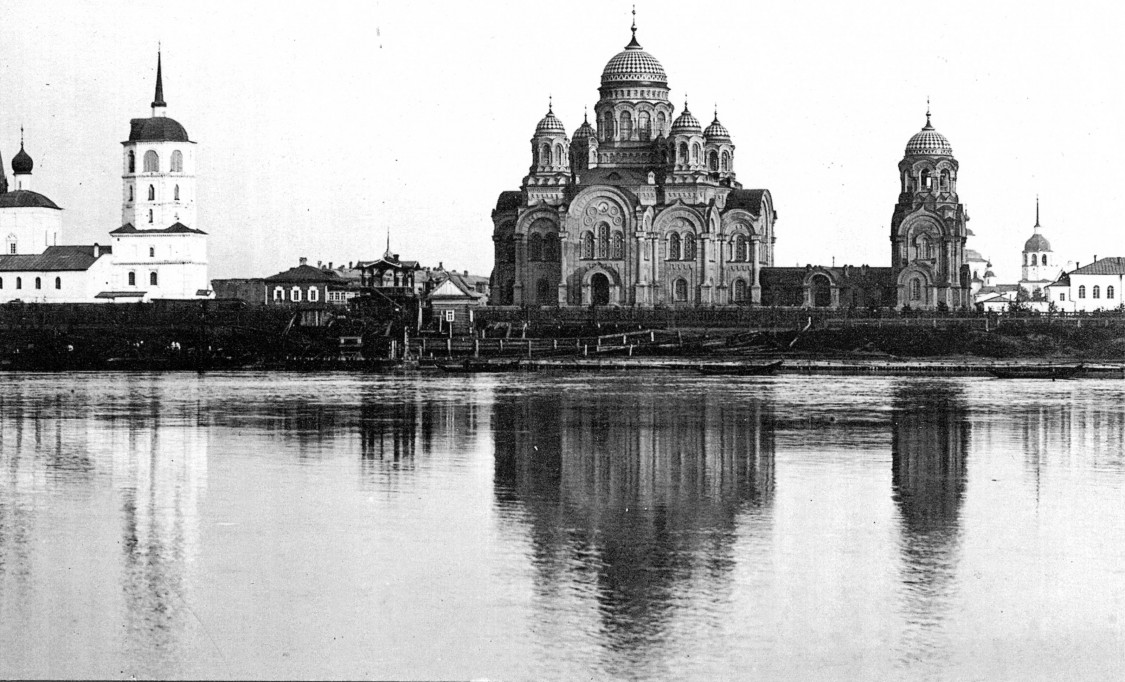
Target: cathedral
[[643, 208], [157, 252], [639, 208]]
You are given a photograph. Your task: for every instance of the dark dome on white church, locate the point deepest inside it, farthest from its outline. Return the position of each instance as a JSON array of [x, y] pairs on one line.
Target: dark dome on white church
[[928, 142], [550, 124], [156, 129], [716, 131], [22, 163], [1036, 244], [585, 131], [23, 198]]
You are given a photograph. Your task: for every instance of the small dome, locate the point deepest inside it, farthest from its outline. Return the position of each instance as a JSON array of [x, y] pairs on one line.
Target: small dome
[[1036, 244], [550, 124], [22, 163], [585, 131], [928, 142], [23, 198], [634, 65], [716, 131], [685, 122], [156, 129], [989, 274]]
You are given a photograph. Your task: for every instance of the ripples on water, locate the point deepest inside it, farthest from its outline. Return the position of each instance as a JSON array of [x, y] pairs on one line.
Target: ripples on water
[[560, 526]]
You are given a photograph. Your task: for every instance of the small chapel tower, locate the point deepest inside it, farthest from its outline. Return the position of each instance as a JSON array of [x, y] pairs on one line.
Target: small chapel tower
[[159, 169]]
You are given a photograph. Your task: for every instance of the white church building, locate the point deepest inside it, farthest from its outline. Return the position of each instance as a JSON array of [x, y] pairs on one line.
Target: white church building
[[157, 253]]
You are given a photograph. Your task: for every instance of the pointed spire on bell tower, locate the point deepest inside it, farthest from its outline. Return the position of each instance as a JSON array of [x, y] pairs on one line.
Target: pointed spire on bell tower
[[928, 126], [387, 254], [1036, 212], [158, 103]]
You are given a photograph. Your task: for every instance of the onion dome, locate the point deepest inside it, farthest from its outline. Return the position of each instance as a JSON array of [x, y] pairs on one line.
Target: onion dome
[[550, 124], [585, 131], [685, 122], [716, 131], [22, 163], [633, 66], [988, 270], [928, 142]]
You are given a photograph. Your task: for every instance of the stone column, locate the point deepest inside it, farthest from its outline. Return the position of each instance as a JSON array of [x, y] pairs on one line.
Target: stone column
[[564, 267], [755, 269], [521, 268]]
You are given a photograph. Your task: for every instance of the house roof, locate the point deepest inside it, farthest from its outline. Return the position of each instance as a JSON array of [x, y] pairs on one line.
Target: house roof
[[175, 228], [1062, 281], [25, 198], [1106, 266], [54, 258], [305, 273]]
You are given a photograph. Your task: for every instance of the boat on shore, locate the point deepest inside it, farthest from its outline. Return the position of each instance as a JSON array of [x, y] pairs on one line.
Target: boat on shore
[[474, 366], [1034, 371], [743, 369]]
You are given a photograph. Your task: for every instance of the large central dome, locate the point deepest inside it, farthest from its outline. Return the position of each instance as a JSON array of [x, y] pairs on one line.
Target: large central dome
[[928, 142], [634, 66]]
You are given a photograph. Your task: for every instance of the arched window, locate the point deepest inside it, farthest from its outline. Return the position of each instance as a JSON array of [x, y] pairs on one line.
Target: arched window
[[1043, 259], [1109, 291], [915, 289], [177, 162], [726, 162], [673, 246], [607, 126], [618, 246], [176, 193], [19, 282], [130, 192], [151, 193], [150, 215], [626, 125], [295, 294], [152, 279], [152, 162], [543, 291], [739, 290], [587, 245], [1097, 291], [1082, 291], [682, 157], [58, 283], [551, 248], [545, 155], [741, 252], [679, 290], [689, 246], [645, 125], [603, 240], [945, 181], [535, 248], [1033, 260], [132, 161], [695, 153], [132, 279], [314, 294], [558, 155], [39, 284], [926, 180], [713, 160], [152, 252]]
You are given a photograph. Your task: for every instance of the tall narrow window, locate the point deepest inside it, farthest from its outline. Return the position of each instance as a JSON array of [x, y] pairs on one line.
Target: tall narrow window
[[618, 246], [19, 282], [588, 245], [741, 253], [739, 290], [177, 162], [559, 155], [152, 252], [132, 161], [176, 193], [39, 284], [534, 248], [661, 123], [713, 161], [11, 247], [626, 125], [151, 193], [695, 153], [1, 282], [645, 125], [58, 282], [551, 248], [130, 192], [132, 279], [915, 290], [689, 246], [679, 290], [295, 294], [682, 157], [726, 162], [1033, 260], [152, 162], [1097, 291], [545, 155], [1082, 291], [1043, 260], [1109, 292], [314, 294], [278, 294], [152, 279], [673, 246], [603, 241], [150, 215]]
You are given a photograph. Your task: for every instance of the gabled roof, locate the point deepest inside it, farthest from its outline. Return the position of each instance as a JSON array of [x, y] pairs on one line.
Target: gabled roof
[[175, 228], [25, 198], [1106, 266], [305, 273], [54, 258], [1062, 281]]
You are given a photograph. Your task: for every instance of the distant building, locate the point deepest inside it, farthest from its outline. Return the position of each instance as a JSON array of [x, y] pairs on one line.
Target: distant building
[[158, 252], [1039, 265], [1097, 286], [304, 284]]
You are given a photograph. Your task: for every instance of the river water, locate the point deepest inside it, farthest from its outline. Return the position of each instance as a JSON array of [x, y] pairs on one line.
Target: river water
[[561, 526]]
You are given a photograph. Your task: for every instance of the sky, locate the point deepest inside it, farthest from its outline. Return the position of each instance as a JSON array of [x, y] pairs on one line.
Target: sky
[[322, 127]]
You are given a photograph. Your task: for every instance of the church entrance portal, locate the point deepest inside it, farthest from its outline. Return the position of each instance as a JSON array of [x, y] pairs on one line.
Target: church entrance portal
[[821, 292], [599, 289]]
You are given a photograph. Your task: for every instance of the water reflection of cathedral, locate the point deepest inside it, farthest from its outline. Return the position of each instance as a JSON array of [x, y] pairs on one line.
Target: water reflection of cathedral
[[649, 497]]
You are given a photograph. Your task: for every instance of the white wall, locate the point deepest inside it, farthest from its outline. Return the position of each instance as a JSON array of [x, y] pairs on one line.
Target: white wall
[[34, 229], [166, 210], [77, 286], [179, 261]]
